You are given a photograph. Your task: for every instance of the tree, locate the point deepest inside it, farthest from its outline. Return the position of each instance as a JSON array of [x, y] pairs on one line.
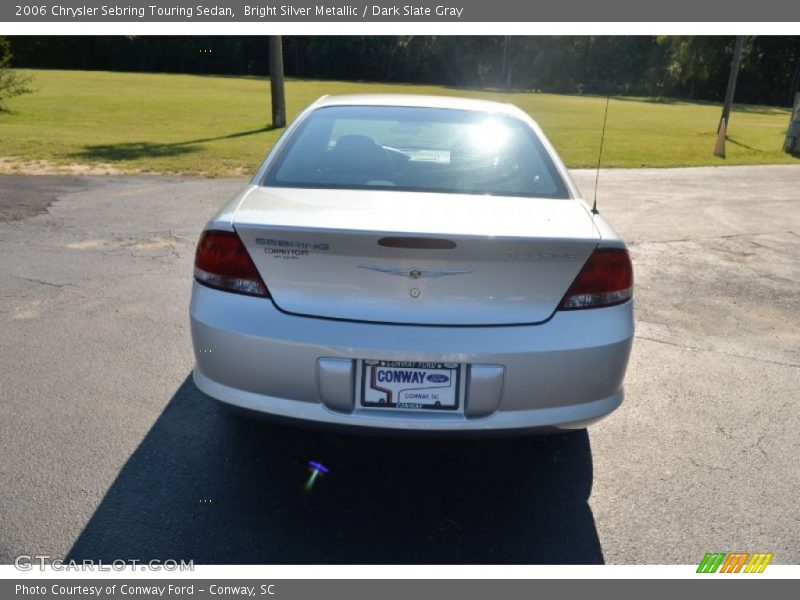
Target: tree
[[694, 64], [693, 67], [12, 83], [276, 81]]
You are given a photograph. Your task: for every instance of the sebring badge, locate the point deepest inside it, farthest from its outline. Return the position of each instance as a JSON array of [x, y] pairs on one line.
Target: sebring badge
[[413, 272]]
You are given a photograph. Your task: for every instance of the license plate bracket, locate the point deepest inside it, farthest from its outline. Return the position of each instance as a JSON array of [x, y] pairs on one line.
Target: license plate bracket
[[410, 386]]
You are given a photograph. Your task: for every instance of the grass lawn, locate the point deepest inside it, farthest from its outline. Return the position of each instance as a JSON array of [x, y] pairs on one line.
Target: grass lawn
[[218, 126]]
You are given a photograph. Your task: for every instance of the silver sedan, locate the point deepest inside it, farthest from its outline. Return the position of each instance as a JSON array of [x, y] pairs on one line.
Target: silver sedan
[[413, 264]]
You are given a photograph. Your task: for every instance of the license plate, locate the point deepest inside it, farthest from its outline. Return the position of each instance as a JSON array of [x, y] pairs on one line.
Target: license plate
[[410, 385]]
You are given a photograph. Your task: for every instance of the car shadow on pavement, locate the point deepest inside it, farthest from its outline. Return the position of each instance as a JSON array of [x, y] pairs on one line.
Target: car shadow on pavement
[[218, 488]]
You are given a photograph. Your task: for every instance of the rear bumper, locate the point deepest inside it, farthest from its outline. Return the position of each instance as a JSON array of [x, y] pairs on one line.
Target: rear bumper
[[560, 375]]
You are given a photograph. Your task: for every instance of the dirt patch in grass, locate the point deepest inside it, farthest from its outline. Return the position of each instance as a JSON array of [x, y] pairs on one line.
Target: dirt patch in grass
[[16, 166]]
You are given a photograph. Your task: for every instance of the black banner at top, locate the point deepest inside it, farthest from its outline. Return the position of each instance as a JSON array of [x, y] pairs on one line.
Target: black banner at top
[[311, 11]]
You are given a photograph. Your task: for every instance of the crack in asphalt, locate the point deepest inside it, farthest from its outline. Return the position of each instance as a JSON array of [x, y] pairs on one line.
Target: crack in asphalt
[[758, 445], [717, 351], [48, 283], [700, 465], [711, 239]]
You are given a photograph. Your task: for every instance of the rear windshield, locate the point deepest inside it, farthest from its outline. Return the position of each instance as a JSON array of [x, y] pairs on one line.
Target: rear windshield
[[416, 149]]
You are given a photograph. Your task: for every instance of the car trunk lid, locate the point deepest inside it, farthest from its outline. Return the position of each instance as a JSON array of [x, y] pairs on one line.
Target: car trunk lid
[[415, 258]]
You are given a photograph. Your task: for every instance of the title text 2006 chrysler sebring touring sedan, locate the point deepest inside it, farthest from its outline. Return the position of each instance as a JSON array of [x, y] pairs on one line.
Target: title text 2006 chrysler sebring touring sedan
[[416, 264]]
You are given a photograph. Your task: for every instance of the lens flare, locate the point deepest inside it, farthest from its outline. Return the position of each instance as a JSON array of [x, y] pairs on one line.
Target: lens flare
[[489, 136], [316, 469]]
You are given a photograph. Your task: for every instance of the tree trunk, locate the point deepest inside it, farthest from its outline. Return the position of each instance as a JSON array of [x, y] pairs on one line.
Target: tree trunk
[[276, 81]]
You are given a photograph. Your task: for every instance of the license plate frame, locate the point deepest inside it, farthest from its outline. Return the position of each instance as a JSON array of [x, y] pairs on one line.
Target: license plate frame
[[424, 392]]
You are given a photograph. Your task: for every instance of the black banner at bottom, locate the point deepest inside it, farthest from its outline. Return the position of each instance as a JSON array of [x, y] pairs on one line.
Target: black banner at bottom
[[377, 589]]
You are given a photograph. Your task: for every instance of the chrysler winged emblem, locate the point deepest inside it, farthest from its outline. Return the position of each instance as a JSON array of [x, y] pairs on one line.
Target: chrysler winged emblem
[[414, 272]]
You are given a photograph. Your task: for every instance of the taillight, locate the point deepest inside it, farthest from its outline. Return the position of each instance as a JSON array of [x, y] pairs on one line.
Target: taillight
[[222, 262], [606, 279]]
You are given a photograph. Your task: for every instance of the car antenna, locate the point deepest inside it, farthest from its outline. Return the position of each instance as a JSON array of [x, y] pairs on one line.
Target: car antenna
[[600, 157]]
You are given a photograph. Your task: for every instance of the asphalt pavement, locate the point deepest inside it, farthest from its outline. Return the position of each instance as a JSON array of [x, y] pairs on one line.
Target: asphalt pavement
[[109, 451]]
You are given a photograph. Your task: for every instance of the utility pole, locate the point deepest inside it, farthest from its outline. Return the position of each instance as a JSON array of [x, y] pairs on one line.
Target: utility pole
[[504, 75], [276, 81], [794, 87], [724, 121], [792, 143]]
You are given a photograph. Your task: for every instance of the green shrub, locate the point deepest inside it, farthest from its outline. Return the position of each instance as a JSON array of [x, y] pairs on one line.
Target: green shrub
[[12, 83]]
